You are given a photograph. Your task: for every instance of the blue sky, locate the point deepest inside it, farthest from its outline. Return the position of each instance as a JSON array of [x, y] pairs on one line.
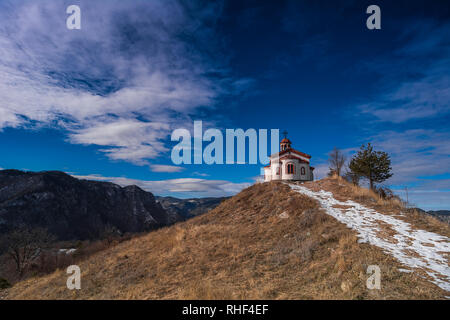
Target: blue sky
[[101, 102]]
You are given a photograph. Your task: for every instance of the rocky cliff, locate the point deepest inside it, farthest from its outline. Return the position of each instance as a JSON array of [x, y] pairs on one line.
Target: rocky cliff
[[76, 209]]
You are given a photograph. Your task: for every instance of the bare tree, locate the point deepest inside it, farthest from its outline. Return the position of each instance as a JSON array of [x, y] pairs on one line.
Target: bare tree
[[24, 245], [336, 161], [110, 234]]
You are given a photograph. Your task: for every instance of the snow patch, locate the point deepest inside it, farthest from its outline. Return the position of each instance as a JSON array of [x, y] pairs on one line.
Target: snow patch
[[284, 215], [414, 248], [67, 251], [405, 270]]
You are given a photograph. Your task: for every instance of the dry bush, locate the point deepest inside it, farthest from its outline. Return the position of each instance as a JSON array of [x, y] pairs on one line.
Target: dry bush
[[382, 196], [8, 269], [306, 249], [4, 284], [311, 217], [49, 261], [362, 194]]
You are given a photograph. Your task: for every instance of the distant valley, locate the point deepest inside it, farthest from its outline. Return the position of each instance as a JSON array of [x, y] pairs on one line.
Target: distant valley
[[73, 209], [188, 208], [443, 215]]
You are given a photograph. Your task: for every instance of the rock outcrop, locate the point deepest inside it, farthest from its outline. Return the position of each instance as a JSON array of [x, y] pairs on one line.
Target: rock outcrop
[[76, 209]]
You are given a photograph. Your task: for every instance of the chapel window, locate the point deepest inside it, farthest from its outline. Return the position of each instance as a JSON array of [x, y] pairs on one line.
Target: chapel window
[[290, 168]]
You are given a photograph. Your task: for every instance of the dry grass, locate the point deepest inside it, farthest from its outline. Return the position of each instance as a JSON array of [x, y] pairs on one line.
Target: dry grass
[[267, 242], [50, 260], [343, 190]]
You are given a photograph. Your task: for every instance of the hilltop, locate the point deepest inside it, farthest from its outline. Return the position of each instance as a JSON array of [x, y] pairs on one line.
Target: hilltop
[[271, 241]]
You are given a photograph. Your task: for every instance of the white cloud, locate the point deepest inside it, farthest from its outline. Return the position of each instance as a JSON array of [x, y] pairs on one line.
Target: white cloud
[[165, 168], [415, 153], [414, 95], [426, 199], [133, 140], [121, 82], [321, 170], [258, 179], [184, 187], [411, 91], [424, 98], [200, 174]]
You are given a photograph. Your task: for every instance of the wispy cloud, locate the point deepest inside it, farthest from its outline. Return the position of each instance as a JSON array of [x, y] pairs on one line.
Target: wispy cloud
[[410, 90], [407, 111], [121, 82], [130, 139], [200, 174], [185, 187], [424, 98], [418, 156], [165, 168], [415, 153]]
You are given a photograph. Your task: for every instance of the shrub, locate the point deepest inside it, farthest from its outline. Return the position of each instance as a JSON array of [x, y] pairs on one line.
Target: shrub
[[385, 193], [4, 284], [306, 249], [311, 217]]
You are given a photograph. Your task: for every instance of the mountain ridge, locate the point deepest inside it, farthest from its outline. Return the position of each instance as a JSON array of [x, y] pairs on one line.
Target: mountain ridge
[[191, 207], [267, 242], [71, 208]]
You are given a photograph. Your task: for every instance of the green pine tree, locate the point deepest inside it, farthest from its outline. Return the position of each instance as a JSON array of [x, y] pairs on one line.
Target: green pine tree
[[372, 165]]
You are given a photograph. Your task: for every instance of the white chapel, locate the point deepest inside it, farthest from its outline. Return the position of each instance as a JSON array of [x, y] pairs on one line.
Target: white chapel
[[289, 164]]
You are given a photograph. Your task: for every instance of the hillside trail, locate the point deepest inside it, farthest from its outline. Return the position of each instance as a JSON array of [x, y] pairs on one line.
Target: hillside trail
[[416, 249]]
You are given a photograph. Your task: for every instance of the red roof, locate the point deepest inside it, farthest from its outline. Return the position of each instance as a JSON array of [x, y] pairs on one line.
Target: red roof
[[293, 151], [293, 157], [286, 140]]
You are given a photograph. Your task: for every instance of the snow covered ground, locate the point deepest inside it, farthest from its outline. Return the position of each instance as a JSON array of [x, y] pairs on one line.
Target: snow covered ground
[[412, 247]]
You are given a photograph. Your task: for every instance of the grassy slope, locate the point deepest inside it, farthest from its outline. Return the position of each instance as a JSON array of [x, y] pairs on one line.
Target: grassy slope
[[242, 249]]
